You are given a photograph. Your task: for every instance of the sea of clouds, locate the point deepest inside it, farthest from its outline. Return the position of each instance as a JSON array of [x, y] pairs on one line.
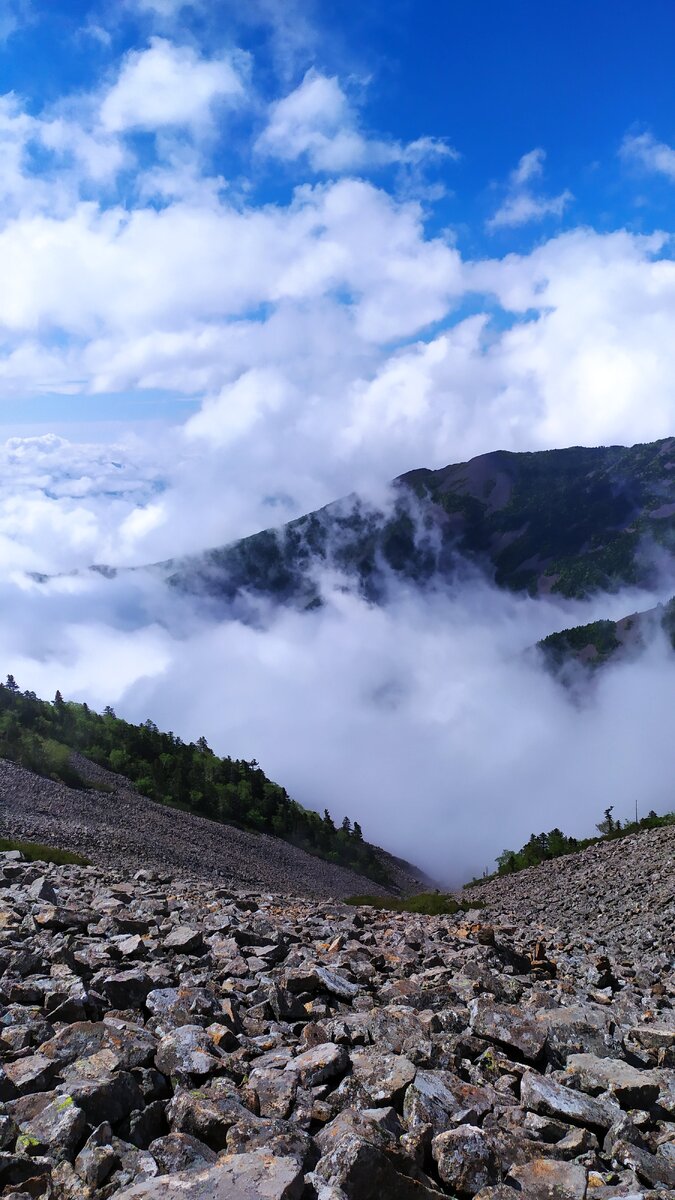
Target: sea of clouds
[[323, 340]]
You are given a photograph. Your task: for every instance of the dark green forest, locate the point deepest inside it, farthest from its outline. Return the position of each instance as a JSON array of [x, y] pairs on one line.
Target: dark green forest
[[42, 735]]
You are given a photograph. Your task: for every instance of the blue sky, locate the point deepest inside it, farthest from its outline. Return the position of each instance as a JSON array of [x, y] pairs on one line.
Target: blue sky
[[313, 245], [494, 79]]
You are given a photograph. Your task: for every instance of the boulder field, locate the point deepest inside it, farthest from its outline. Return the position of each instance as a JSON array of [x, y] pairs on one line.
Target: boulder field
[[166, 1037]]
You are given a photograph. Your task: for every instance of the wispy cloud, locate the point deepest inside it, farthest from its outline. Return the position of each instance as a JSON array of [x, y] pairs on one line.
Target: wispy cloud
[[14, 14], [645, 151], [318, 123], [523, 203]]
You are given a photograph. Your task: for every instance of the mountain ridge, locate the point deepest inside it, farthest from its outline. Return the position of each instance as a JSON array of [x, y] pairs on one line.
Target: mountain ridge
[[572, 521]]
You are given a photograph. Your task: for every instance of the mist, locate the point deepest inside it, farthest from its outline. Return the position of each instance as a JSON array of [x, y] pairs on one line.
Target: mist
[[430, 720]]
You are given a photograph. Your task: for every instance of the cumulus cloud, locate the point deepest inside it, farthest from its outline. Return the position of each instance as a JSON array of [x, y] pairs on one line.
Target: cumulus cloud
[[168, 86], [522, 203], [317, 122], [644, 150]]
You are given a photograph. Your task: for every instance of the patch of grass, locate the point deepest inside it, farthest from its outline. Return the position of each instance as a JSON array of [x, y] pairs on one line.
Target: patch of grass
[[428, 904], [35, 852]]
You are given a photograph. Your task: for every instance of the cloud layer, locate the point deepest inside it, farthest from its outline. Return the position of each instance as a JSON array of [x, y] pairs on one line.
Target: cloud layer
[[222, 229]]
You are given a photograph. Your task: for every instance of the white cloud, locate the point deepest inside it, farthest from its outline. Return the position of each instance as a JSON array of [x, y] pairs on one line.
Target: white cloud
[[522, 204], [424, 720], [169, 86], [317, 122], [654, 156]]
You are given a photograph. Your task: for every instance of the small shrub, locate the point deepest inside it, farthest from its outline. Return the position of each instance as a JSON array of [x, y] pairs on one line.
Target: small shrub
[[35, 852], [428, 904]]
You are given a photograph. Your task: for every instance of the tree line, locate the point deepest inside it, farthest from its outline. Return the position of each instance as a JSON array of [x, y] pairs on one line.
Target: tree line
[[41, 735]]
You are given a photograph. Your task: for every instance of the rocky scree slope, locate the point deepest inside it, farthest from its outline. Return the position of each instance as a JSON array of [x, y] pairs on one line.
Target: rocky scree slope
[[616, 894], [121, 828], [161, 1038]]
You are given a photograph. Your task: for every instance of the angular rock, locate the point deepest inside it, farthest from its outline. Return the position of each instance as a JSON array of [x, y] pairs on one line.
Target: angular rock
[[186, 1051], [544, 1179], [465, 1158], [58, 1130], [507, 1025], [176, 1151], [173, 1007], [127, 989], [319, 1064], [359, 1171], [107, 1098], [206, 1115], [184, 940], [254, 1176], [543, 1095], [436, 1098], [383, 1077], [632, 1088]]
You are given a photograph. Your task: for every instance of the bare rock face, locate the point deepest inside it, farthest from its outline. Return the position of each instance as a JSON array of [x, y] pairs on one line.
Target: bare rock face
[[164, 1037]]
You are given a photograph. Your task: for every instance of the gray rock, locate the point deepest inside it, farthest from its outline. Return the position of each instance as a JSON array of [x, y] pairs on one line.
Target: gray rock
[[543, 1095], [176, 1151], [187, 1050], [173, 1007], [110, 1097], [184, 940], [545, 1179], [30, 1074], [127, 989], [654, 1169], [508, 1026], [360, 1171], [465, 1158], [383, 1077], [435, 1098], [254, 1176], [206, 1114], [57, 1130], [632, 1088], [319, 1064]]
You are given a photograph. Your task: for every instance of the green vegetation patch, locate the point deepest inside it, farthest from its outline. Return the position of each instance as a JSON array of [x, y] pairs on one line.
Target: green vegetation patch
[[35, 852], [428, 904]]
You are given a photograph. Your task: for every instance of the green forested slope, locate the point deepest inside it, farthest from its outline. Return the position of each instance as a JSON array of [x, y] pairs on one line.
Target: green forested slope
[[41, 736]]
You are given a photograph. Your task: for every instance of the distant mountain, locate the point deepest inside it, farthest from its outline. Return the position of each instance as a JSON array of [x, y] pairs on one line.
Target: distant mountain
[[571, 521], [600, 642]]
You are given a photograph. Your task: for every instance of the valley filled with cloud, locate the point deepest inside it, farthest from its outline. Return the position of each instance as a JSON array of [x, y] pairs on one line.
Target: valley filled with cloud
[[231, 297]]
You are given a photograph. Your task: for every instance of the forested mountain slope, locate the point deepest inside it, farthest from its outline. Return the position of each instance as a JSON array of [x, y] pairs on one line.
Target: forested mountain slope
[[570, 521], [50, 739]]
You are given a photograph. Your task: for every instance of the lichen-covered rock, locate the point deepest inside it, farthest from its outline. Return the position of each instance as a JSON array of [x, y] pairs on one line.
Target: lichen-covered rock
[[57, 1130], [544, 1095], [383, 1077], [254, 1176], [187, 1050], [633, 1088], [507, 1025], [466, 1160], [545, 1179], [319, 1064]]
